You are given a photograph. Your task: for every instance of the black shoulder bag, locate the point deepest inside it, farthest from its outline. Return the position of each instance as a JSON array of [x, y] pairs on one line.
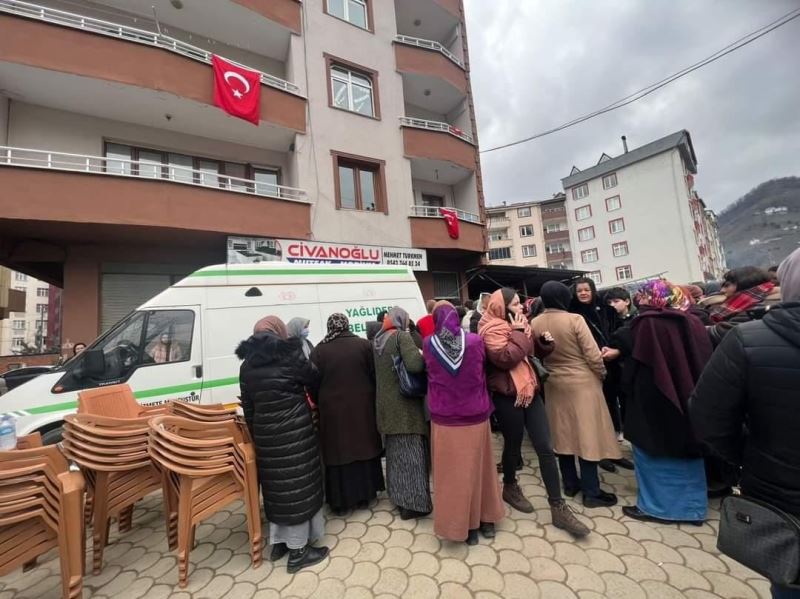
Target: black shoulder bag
[[412, 385]]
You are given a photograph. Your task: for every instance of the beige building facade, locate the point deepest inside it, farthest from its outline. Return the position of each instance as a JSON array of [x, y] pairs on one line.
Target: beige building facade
[[120, 175]]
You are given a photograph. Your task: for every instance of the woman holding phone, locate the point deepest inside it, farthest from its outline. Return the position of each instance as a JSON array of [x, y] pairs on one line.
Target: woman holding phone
[[510, 341]]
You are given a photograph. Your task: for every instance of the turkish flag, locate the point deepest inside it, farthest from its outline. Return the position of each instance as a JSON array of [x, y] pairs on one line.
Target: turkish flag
[[451, 220], [237, 90]]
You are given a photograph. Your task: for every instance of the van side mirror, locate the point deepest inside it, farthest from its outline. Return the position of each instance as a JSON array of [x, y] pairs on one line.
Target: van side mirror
[[93, 364]]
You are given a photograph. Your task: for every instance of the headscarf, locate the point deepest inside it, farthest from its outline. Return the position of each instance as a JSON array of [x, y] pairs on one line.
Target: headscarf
[[495, 330], [296, 326], [272, 325], [789, 277], [395, 320], [338, 324], [693, 291], [555, 296], [661, 294], [449, 341]]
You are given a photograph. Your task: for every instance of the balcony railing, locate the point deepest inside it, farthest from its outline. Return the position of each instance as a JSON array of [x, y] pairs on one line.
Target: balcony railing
[[98, 165], [429, 45], [495, 222], [407, 121], [433, 212], [130, 34]]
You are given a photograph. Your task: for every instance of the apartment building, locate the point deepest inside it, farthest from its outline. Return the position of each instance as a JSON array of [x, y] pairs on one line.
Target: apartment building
[[634, 216], [119, 174], [706, 234], [28, 327], [530, 234]]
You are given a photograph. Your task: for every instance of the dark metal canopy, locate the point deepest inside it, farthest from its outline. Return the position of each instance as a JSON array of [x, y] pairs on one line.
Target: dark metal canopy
[[525, 279]]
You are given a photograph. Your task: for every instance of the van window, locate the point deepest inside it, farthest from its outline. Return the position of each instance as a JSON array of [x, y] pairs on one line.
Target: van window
[[121, 349], [168, 337]]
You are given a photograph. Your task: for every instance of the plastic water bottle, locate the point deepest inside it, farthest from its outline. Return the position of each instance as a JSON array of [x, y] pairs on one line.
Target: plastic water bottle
[[8, 432]]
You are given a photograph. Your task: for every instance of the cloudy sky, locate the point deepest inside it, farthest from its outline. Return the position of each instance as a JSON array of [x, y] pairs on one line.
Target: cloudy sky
[[539, 63]]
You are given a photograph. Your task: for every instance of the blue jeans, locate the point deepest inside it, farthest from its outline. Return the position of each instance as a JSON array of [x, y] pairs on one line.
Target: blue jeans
[[784, 593], [589, 482]]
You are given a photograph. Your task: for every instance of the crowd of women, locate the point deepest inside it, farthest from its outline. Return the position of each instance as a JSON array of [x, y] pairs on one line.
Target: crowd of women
[[577, 369]]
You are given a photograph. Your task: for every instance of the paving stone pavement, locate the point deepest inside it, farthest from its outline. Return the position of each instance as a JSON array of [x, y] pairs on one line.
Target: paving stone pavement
[[375, 554]]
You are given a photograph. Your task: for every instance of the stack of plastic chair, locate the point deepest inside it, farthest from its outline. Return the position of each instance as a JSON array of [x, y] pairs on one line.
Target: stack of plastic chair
[[207, 413], [112, 453], [40, 510], [116, 401], [205, 466]]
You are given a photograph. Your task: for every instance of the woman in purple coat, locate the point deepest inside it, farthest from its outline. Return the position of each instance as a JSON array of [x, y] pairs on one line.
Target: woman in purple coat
[[467, 497]]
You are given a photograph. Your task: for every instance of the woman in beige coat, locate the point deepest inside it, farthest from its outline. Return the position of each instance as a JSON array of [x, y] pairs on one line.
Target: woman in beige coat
[[579, 420]]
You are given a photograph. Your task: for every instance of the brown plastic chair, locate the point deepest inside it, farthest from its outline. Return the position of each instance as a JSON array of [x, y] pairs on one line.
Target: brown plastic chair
[[204, 413], [205, 467], [112, 453], [116, 401], [40, 509]]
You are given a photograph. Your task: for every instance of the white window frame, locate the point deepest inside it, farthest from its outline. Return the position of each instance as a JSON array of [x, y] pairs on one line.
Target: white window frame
[[596, 276], [344, 74], [619, 203], [346, 16], [526, 228], [524, 212], [588, 208], [553, 228], [623, 268], [18, 325], [589, 256], [20, 276], [580, 192], [611, 226], [42, 292], [620, 245], [529, 251], [561, 248], [17, 342], [607, 181], [498, 235], [510, 253], [589, 229]]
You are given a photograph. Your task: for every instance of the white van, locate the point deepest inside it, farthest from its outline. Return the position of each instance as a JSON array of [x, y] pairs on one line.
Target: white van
[[181, 343]]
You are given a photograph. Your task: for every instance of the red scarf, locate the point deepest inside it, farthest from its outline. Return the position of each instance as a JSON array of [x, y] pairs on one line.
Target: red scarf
[[741, 302]]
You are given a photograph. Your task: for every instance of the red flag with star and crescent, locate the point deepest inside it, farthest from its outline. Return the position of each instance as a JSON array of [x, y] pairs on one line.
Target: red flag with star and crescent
[[451, 221], [237, 90]]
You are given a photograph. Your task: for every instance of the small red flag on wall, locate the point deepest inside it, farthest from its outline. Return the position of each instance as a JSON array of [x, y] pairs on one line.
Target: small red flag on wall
[[237, 90], [451, 220]]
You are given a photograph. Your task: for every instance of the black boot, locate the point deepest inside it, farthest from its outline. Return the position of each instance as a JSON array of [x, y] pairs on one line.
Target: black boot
[[305, 557], [278, 551], [472, 537]]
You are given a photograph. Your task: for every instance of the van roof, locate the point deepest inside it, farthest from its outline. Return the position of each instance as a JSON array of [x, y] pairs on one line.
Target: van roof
[[270, 273]]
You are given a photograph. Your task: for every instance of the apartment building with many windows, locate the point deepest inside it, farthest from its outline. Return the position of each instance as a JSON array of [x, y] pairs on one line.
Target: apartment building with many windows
[[530, 234], [27, 328], [636, 216], [120, 176]]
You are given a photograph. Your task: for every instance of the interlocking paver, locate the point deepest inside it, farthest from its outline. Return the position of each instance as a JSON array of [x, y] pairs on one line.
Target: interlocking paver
[[376, 555]]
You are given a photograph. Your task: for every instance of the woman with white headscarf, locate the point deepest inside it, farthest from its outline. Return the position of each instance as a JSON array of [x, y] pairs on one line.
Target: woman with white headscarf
[[298, 328]]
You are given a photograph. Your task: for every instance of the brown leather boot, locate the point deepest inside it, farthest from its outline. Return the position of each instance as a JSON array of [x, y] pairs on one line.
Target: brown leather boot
[[513, 496], [564, 519]]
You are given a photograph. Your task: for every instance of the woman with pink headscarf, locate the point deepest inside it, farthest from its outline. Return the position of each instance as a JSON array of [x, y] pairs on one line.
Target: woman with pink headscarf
[[274, 378]]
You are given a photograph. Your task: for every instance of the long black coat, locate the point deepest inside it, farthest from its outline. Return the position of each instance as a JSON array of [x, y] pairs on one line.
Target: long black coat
[[273, 380], [746, 405]]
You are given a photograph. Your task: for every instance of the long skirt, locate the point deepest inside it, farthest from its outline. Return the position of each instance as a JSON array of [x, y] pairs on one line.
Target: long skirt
[[466, 489], [297, 536], [348, 485], [407, 472], [671, 488]]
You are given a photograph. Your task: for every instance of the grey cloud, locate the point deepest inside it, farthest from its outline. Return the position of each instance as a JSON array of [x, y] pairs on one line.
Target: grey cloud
[[536, 64]]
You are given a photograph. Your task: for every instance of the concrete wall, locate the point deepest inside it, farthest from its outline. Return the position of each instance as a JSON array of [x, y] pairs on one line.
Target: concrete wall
[[658, 224]]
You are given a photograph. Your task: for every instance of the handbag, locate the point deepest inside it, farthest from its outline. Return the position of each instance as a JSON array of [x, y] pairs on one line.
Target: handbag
[[541, 369], [761, 537], [412, 385]]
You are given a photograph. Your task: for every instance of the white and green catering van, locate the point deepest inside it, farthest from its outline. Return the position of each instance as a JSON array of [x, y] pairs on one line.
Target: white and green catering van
[[181, 343]]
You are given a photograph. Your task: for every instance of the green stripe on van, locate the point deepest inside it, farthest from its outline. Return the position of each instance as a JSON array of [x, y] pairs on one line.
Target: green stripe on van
[[293, 271], [144, 394]]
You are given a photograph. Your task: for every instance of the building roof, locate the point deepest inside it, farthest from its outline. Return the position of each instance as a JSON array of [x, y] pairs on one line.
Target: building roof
[[680, 140], [558, 197]]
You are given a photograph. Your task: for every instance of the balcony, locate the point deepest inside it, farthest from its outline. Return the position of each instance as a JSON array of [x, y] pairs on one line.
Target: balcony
[[71, 188], [495, 222], [438, 151], [559, 256], [114, 71], [562, 235], [550, 214], [433, 212], [430, 232], [433, 77]]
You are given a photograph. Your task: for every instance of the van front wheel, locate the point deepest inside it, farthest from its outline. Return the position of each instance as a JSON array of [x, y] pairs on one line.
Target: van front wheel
[[53, 436]]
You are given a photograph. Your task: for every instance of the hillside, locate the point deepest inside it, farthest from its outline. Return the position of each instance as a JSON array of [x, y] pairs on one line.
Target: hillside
[[763, 226]]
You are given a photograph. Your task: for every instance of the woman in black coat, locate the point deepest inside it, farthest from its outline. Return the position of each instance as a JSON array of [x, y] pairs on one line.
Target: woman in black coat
[[273, 378]]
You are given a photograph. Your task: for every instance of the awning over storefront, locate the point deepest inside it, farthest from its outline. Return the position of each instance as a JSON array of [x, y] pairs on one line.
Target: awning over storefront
[[526, 280]]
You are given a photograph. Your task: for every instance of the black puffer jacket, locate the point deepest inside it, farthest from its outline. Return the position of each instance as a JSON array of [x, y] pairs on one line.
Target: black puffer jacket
[[273, 378], [746, 405]]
